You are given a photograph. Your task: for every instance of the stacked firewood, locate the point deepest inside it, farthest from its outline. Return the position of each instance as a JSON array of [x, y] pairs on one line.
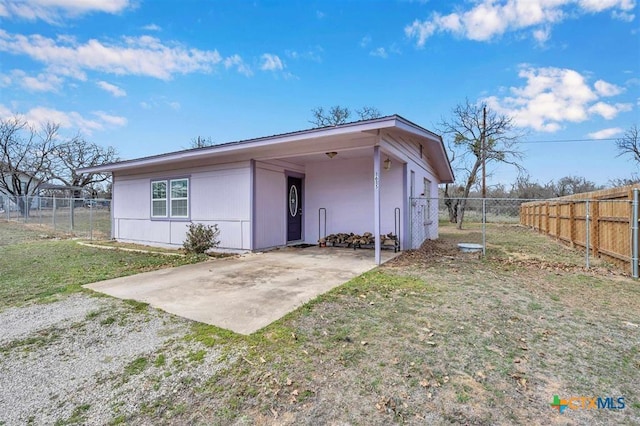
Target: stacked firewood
[[355, 240]]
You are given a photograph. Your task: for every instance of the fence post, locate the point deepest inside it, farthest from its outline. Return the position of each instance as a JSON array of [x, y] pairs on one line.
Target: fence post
[[572, 223], [71, 203], [91, 222], [595, 227], [54, 212], [540, 218], [484, 227], [546, 222], [558, 220], [634, 234], [587, 241]]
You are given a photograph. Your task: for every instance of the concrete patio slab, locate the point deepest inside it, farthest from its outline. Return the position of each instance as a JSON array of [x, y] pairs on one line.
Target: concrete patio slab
[[244, 293]]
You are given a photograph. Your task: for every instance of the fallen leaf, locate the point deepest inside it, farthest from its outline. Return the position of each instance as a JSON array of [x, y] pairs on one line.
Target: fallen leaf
[[294, 392], [262, 360], [289, 382]]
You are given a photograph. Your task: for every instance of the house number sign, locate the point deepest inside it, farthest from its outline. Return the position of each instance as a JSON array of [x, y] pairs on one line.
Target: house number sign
[[376, 181]]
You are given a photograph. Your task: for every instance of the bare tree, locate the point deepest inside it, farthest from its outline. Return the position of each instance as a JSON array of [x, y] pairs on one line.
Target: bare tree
[[77, 153], [25, 158], [368, 113], [465, 131], [630, 143], [570, 185], [337, 115], [201, 142], [615, 182]]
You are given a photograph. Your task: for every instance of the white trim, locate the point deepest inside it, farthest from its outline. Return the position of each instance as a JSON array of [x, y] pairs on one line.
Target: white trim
[[165, 199]]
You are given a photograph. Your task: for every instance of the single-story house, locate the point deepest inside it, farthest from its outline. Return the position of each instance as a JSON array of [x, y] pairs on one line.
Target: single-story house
[[288, 188]]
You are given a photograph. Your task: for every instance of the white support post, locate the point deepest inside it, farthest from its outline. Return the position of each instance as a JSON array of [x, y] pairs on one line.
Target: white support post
[[376, 202]]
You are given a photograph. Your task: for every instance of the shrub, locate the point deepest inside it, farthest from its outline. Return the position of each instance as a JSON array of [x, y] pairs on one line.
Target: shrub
[[201, 238]]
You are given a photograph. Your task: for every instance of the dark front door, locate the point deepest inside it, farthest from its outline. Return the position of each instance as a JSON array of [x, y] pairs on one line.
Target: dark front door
[[294, 209]]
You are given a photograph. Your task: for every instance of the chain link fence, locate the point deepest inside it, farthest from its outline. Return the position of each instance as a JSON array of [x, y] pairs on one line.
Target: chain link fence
[[598, 230], [86, 218]]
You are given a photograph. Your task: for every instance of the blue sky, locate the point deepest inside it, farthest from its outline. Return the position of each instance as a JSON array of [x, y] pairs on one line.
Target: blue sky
[[148, 76]]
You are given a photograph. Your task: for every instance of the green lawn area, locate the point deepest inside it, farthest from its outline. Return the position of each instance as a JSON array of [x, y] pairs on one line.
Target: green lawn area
[[36, 266], [434, 337]]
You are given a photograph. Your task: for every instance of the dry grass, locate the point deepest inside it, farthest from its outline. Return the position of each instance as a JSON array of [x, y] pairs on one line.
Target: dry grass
[[437, 337]]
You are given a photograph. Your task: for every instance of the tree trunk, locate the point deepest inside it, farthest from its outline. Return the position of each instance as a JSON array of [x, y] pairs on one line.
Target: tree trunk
[[452, 206], [467, 189]]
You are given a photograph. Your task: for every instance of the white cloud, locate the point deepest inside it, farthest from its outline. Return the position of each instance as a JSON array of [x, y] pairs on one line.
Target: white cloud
[[271, 62], [488, 19], [68, 120], [365, 41], [237, 62], [608, 111], [606, 133], [145, 55], [313, 54], [553, 96], [43, 82], [174, 105], [542, 35], [380, 52], [54, 11], [320, 14], [113, 120], [152, 27], [607, 89], [601, 5], [112, 88]]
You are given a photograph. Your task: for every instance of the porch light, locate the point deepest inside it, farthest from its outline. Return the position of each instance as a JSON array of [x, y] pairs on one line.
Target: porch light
[[387, 164], [331, 154]]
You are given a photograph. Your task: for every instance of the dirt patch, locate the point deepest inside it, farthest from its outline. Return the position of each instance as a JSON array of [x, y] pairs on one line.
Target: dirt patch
[[440, 337], [433, 337]]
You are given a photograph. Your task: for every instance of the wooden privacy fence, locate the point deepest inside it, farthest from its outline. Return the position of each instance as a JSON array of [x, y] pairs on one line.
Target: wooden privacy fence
[[600, 221]]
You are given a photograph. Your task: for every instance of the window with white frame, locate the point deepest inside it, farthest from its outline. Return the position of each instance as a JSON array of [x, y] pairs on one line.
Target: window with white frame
[[180, 198], [170, 198]]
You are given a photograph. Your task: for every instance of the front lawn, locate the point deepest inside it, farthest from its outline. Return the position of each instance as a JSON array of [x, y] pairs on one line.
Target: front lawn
[[38, 266], [434, 337]]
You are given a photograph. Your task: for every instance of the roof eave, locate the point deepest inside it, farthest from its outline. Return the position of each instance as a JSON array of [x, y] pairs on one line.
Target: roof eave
[[369, 125]]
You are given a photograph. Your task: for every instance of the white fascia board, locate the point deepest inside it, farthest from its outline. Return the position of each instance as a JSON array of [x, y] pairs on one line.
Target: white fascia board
[[244, 145]]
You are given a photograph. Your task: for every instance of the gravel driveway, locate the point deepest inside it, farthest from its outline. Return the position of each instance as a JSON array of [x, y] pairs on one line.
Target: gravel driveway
[[95, 360]]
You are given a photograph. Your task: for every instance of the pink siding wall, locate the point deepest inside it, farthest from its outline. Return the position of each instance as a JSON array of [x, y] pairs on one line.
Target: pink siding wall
[[345, 188], [219, 195]]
